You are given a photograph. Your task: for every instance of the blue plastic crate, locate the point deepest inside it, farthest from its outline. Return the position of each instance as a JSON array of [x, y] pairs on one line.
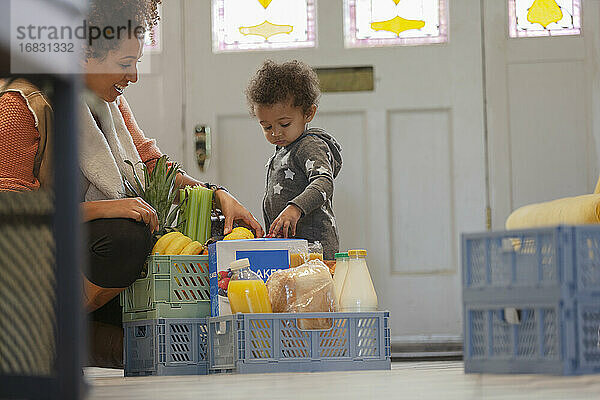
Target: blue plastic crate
[[258, 343], [562, 261], [166, 347], [540, 338], [531, 301]]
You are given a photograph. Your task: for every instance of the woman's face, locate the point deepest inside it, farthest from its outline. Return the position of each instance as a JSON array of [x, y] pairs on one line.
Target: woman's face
[[110, 76]]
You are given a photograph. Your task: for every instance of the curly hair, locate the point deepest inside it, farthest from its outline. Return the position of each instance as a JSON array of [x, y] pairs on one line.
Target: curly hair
[[119, 13], [290, 81]]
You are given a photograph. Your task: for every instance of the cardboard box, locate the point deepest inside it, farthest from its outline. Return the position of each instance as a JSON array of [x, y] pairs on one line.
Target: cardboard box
[[265, 255]]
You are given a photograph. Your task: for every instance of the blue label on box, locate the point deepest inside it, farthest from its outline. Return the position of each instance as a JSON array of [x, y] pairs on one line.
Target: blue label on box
[[264, 262]]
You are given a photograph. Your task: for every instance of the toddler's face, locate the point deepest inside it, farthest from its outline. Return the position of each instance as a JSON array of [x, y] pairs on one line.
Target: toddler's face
[[282, 123]]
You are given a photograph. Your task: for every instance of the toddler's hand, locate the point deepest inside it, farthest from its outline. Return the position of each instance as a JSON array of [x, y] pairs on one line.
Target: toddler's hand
[[287, 220]]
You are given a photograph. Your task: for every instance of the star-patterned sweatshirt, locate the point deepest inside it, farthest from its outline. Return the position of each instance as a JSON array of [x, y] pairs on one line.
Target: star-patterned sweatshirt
[[302, 174]]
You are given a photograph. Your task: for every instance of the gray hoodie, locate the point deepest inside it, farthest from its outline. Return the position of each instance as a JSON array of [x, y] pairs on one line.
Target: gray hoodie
[[302, 174]]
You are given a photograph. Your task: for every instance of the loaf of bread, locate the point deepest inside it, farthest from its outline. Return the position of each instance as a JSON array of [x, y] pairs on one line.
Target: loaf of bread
[[307, 288]]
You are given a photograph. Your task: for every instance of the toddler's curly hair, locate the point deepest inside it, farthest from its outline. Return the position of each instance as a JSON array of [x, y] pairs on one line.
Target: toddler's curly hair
[[292, 81]]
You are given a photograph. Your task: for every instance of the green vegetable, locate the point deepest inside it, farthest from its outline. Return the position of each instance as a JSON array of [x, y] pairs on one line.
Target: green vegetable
[[195, 214], [158, 190]]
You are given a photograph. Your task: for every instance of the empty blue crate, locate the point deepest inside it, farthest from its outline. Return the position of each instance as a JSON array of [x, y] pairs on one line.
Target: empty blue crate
[[531, 301], [561, 261], [533, 338], [166, 347], [176, 286], [299, 342]]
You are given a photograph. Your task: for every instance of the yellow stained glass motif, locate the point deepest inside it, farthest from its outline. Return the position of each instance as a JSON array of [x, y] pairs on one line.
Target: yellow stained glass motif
[[266, 29], [544, 12], [397, 25], [265, 3], [374, 23]]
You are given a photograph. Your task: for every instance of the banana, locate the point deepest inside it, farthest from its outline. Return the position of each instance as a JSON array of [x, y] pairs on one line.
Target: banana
[[164, 242], [192, 249], [177, 245]]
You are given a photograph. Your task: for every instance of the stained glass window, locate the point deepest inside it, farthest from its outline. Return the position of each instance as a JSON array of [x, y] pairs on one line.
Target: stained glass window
[[263, 24], [395, 22], [544, 17]]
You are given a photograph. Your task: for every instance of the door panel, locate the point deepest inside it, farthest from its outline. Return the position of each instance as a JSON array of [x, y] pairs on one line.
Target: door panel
[[548, 133], [421, 188]]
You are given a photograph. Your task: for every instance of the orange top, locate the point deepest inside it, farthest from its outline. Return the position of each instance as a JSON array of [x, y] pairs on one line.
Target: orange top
[[19, 142]]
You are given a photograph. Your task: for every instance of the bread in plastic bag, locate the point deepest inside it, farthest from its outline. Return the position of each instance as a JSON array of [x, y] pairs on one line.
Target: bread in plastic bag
[[307, 288]]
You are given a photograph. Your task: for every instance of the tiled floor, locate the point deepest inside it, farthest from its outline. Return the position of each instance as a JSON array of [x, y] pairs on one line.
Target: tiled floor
[[432, 380]]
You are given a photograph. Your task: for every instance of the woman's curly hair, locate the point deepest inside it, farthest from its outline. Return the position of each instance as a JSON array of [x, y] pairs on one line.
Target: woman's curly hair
[[291, 81], [115, 13]]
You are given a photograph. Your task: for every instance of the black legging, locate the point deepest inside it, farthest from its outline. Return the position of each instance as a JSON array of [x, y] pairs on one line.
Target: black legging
[[117, 249]]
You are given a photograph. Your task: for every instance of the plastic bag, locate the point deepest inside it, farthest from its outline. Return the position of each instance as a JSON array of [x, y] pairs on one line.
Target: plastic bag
[[307, 288], [300, 256]]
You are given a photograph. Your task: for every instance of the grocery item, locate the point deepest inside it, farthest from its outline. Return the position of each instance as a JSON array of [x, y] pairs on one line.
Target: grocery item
[[307, 288], [265, 255], [195, 214], [331, 265], [296, 259], [164, 241], [246, 291], [239, 233], [158, 190], [358, 293], [177, 245], [341, 268], [223, 281], [315, 252], [193, 248], [315, 256]]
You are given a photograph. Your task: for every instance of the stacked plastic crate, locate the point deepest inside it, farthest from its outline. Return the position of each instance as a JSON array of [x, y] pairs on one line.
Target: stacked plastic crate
[[164, 318], [531, 301], [300, 342], [168, 331]]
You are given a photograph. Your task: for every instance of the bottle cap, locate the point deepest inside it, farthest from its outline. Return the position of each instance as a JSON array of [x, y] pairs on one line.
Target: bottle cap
[[357, 253], [341, 255], [239, 264]]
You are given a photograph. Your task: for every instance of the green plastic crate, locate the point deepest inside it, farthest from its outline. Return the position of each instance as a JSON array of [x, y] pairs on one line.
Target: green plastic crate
[[175, 287]]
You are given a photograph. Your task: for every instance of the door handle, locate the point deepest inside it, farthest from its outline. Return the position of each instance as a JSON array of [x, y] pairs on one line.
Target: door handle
[[203, 146]]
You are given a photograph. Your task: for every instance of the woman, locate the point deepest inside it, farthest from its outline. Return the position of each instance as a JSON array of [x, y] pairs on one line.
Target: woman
[[119, 229]]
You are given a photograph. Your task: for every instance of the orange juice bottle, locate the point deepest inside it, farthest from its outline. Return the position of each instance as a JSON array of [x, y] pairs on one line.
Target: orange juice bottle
[[247, 293]]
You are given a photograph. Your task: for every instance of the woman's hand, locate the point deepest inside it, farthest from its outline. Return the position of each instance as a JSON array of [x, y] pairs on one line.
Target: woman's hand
[[234, 211], [287, 220], [135, 208]]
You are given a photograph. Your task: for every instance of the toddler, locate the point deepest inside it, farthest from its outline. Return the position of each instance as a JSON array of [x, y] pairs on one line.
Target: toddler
[[299, 187]]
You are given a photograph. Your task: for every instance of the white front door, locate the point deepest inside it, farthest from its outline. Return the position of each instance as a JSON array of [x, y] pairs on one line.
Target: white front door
[[413, 175], [543, 107]]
